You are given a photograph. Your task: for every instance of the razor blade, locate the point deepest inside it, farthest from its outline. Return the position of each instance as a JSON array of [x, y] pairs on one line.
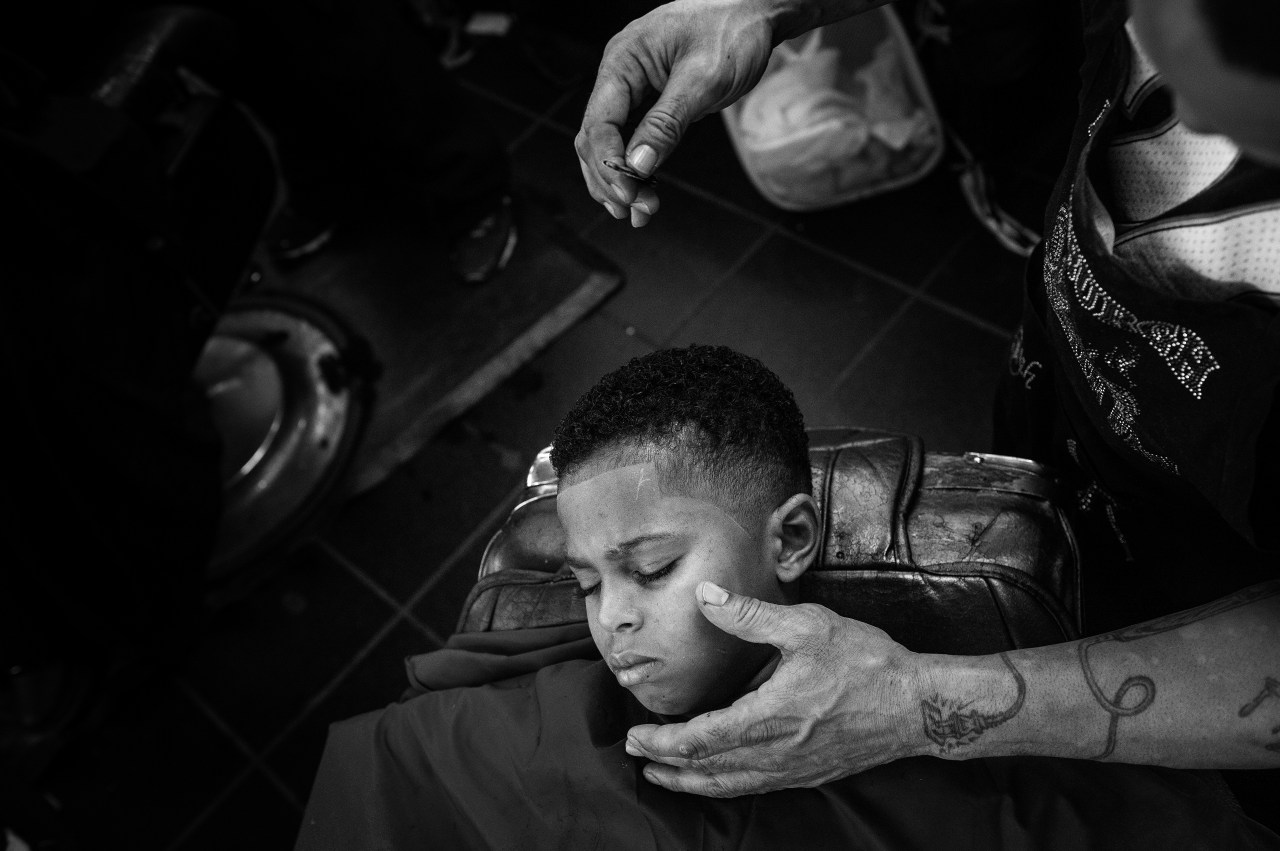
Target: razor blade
[[623, 168]]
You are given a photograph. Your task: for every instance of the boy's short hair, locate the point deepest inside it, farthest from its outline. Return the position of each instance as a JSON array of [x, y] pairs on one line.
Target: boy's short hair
[[713, 421]]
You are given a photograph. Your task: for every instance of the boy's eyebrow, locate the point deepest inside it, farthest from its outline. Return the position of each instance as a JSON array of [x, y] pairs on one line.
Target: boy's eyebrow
[[626, 548], [622, 551]]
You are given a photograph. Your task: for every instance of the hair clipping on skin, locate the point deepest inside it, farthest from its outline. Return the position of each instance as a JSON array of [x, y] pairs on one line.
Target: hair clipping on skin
[[623, 168]]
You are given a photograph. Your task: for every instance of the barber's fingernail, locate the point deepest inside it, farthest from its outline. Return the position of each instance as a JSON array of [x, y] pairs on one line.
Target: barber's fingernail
[[615, 210], [642, 159], [642, 207], [713, 594], [632, 749], [649, 775], [620, 194]]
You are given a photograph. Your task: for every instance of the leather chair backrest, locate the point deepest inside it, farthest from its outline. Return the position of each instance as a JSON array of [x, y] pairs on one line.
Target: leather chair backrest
[[947, 552]]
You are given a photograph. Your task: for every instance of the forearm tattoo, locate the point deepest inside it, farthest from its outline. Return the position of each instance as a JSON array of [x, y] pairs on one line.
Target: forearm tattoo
[[1270, 689], [950, 724], [1138, 691]]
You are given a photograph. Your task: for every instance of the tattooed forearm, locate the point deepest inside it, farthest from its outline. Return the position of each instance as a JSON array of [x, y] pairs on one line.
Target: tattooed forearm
[[1177, 620], [951, 724], [1120, 705], [1138, 691], [1270, 689]]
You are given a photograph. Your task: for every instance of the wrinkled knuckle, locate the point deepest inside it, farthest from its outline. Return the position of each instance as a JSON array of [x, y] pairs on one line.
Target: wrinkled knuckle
[[665, 125], [695, 748], [719, 788], [749, 611], [812, 628], [765, 731]]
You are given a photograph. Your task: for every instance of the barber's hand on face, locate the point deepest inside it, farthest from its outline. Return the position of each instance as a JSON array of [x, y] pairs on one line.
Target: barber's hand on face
[[838, 703], [701, 55]]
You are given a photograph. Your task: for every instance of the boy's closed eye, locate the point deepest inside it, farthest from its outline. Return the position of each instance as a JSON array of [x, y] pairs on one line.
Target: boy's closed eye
[[639, 576]]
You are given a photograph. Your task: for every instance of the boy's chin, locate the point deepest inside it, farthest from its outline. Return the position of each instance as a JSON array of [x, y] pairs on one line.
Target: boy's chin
[[664, 701], [676, 704]]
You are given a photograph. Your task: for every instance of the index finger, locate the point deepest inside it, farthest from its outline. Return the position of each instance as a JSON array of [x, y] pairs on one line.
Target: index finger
[[600, 137], [711, 734], [710, 785]]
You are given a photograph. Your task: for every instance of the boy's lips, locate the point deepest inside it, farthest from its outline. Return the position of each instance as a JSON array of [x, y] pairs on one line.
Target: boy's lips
[[632, 668]]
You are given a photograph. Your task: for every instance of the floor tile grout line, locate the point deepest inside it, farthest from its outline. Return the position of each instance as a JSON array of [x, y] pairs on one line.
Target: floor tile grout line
[[875, 339], [481, 91], [330, 687], [764, 237], [363, 653], [624, 323], [376, 587], [225, 727], [947, 258], [729, 206], [203, 815], [546, 121], [960, 313], [486, 526]]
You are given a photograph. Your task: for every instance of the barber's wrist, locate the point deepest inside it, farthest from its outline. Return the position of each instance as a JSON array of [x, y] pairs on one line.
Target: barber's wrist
[[966, 706], [791, 18], [911, 675]]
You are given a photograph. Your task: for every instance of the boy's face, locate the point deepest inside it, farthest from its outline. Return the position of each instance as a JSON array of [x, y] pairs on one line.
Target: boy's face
[[641, 554]]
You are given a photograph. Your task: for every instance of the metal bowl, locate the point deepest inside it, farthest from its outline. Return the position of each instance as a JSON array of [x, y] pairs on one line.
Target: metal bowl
[[288, 409]]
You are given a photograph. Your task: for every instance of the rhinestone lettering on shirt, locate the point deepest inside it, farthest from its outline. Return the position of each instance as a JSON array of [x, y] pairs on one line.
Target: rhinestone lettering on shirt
[[1068, 276]]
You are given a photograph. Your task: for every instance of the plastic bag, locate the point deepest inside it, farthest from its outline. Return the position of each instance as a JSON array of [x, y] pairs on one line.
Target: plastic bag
[[819, 130]]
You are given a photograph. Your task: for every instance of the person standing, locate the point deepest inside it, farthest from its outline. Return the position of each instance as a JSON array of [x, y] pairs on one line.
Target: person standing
[[1146, 370]]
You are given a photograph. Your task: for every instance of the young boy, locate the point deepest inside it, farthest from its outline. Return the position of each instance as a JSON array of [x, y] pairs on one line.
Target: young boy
[[686, 467]]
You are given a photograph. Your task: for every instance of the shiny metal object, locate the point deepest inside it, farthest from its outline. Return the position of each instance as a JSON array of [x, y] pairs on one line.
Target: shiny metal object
[[287, 410]]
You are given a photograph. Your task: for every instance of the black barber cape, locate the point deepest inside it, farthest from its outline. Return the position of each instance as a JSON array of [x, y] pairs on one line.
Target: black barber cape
[[535, 760]]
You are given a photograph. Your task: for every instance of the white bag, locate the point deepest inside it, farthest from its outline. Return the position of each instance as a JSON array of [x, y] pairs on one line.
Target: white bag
[[840, 114]]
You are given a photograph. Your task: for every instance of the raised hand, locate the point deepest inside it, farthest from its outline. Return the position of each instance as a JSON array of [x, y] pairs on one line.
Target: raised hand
[[699, 56]]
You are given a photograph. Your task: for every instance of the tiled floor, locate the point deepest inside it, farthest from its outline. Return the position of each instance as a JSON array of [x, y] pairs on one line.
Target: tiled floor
[[893, 312]]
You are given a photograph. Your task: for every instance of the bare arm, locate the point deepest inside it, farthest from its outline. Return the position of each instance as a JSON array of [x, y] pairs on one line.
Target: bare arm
[[1199, 688]]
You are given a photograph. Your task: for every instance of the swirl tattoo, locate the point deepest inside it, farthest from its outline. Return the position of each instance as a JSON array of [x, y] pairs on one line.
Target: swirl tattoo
[[1136, 694], [1115, 705], [948, 725]]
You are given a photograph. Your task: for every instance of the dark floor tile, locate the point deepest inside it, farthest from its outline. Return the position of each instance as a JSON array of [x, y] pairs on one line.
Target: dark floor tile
[[706, 159], [569, 112], [931, 375], [984, 279], [265, 658], [154, 767], [803, 314], [545, 167], [674, 262], [903, 233], [255, 815], [524, 410], [442, 604], [379, 679], [507, 123], [502, 67], [401, 530]]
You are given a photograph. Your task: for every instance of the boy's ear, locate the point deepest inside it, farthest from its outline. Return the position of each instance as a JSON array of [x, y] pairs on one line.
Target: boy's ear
[[794, 525]]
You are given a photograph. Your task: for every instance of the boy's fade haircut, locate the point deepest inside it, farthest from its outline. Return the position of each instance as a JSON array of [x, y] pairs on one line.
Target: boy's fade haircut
[[713, 421]]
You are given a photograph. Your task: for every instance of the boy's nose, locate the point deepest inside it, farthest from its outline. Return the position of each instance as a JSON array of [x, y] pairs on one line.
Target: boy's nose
[[618, 613]]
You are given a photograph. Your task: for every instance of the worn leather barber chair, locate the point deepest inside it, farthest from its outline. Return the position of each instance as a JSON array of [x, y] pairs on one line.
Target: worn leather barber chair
[[948, 553]]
